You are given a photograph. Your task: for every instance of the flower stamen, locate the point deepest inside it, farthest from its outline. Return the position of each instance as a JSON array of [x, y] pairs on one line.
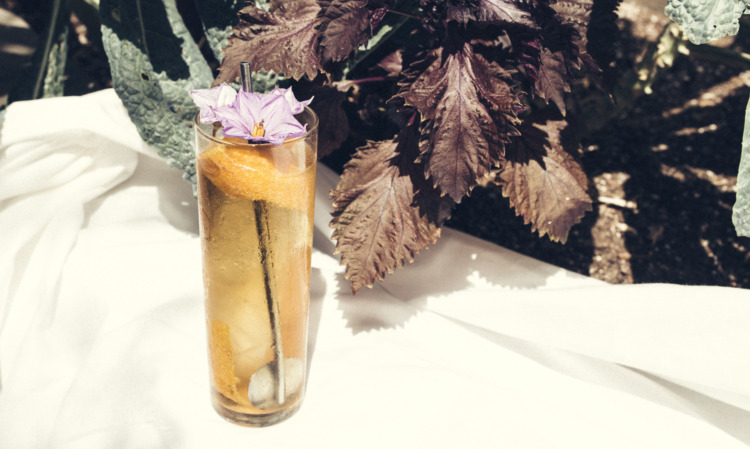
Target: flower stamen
[[259, 130]]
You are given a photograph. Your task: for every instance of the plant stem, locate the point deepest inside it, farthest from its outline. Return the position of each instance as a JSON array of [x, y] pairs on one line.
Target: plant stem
[[718, 54], [384, 32], [412, 118], [343, 85], [405, 14], [55, 17]]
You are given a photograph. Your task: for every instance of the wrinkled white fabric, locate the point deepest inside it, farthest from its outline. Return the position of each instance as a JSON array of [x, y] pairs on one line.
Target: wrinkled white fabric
[[102, 342], [55, 156]]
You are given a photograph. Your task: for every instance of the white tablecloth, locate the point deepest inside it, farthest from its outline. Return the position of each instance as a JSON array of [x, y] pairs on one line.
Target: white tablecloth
[[102, 340]]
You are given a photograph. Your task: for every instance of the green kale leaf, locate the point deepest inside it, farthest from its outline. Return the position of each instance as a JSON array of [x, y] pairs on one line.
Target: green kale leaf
[[155, 63], [741, 210], [706, 20]]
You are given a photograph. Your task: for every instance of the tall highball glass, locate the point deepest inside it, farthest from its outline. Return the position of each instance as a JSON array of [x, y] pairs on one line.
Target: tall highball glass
[[256, 204]]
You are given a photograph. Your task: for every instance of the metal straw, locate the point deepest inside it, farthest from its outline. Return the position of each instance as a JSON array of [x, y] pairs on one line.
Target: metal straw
[[247, 81], [261, 222]]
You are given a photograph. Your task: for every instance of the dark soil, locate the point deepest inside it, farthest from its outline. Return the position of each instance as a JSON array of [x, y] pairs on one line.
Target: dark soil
[[664, 175], [663, 172]]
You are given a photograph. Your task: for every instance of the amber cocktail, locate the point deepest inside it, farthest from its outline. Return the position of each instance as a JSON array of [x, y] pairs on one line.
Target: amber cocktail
[[256, 220]]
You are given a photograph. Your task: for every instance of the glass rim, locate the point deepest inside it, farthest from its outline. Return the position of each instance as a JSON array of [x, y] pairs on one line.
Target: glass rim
[[312, 126]]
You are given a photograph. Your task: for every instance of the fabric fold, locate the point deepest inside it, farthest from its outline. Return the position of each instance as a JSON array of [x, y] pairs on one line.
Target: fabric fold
[[55, 156], [658, 329]]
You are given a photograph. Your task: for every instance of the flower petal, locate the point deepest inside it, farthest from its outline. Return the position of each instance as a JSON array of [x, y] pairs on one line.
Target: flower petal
[[279, 121], [239, 119], [208, 100], [295, 105], [233, 123], [226, 95], [250, 106]]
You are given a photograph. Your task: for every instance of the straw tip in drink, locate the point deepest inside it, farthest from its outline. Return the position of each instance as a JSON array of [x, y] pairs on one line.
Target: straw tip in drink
[[262, 390]]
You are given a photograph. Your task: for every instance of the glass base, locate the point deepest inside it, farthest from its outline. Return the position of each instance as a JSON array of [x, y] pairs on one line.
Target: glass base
[[254, 420]]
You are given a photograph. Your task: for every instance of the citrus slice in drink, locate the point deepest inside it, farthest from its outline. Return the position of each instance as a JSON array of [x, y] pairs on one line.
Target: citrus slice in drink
[[222, 360], [260, 172]]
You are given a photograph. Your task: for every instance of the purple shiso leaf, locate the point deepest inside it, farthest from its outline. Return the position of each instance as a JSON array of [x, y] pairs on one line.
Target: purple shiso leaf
[[209, 100]]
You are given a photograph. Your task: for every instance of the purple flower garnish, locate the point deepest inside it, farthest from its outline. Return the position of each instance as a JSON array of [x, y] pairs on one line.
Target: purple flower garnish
[[208, 100], [250, 116], [260, 118]]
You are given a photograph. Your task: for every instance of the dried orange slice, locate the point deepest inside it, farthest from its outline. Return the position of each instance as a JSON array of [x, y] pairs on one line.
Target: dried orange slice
[[222, 361], [249, 173]]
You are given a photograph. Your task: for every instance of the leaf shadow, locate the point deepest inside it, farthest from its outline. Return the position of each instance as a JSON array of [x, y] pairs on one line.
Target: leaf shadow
[[531, 145], [458, 262], [374, 309]]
